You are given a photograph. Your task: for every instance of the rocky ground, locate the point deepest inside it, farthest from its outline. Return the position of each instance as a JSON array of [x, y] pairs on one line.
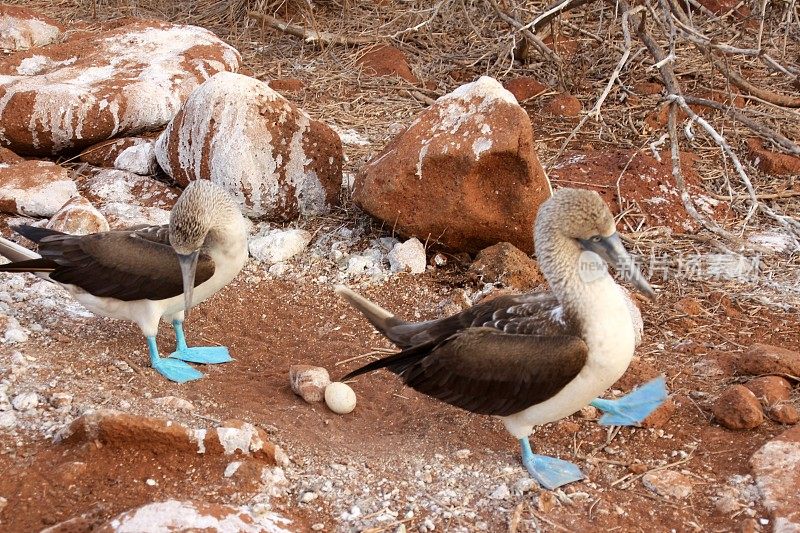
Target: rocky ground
[[93, 440]]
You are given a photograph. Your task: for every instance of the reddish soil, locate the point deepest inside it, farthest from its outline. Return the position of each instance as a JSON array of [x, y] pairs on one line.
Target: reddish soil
[[275, 324]]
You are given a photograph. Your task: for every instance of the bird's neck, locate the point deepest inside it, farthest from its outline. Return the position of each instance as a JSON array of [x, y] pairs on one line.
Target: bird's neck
[[228, 232], [587, 297]]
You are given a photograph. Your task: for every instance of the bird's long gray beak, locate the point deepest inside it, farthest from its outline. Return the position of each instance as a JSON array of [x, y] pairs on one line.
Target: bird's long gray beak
[[614, 253], [188, 264]]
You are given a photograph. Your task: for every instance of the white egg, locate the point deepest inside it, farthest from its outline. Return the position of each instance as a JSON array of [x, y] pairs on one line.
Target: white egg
[[340, 398]]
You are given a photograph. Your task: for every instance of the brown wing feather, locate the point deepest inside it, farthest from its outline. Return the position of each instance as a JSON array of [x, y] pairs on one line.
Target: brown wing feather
[[126, 265], [486, 371], [517, 313]]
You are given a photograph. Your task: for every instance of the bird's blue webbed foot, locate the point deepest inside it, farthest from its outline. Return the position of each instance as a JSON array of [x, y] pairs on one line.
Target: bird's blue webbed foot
[[209, 355], [549, 472], [634, 407], [171, 369]]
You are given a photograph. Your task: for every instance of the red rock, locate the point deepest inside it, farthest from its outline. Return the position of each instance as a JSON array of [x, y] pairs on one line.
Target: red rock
[[776, 469], [564, 105], [638, 468], [284, 163], [174, 515], [738, 408], [34, 188], [566, 48], [8, 157], [647, 88], [668, 483], [690, 306], [770, 389], [645, 183], [78, 217], [386, 60], [784, 414], [291, 85], [464, 173], [105, 153], [97, 85], [766, 359], [309, 382], [774, 163], [524, 88], [505, 263], [22, 28], [660, 417], [720, 7]]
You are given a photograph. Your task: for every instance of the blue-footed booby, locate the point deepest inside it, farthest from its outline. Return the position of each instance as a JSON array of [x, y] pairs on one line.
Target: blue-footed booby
[[538, 357], [147, 273]]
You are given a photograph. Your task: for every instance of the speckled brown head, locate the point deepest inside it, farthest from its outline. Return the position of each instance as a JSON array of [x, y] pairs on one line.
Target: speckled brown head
[[578, 220], [195, 214]]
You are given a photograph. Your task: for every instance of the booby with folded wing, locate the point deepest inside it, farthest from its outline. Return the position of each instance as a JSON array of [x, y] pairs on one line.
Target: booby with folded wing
[[147, 273], [539, 357]]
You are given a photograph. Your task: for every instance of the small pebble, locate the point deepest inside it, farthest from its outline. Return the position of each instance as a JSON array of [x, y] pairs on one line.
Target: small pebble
[[25, 401], [308, 497], [319, 526], [500, 492], [151, 482]]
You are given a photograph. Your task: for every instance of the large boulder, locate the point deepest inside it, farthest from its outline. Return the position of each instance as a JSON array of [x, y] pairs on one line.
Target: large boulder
[[95, 86], [272, 157], [34, 188], [464, 173], [21, 28]]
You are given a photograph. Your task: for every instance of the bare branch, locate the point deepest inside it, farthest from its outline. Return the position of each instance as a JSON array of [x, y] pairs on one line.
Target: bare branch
[[311, 35]]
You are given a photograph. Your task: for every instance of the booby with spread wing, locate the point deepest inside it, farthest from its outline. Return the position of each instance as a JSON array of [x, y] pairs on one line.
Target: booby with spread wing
[[539, 357], [147, 273]]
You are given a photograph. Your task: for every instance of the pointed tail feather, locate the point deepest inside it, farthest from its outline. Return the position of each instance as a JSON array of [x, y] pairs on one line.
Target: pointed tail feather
[[382, 319], [396, 362], [24, 260], [14, 252]]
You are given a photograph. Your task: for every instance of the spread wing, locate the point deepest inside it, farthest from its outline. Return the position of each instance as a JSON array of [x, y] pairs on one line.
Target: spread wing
[[126, 264], [487, 371]]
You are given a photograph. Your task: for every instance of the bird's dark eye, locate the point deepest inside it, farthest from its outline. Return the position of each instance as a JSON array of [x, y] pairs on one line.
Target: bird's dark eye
[[596, 238]]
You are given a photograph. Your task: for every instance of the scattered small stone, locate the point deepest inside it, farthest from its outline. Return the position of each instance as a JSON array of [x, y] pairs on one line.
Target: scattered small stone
[[8, 420], [638, 468], [668, 483], [318, 526], [25, 401], [231, 469], [60, 400], [463, 454], [408, 256], [546, 501], [785, 413], [440, 260], [770, 389], [279, 245], [588, 413], [500, 492], [690, 306], [738, 408], [340, 398], [524, 485], [309, 382], [308, 497], [174, 403], [151, 482], [563, 105]]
